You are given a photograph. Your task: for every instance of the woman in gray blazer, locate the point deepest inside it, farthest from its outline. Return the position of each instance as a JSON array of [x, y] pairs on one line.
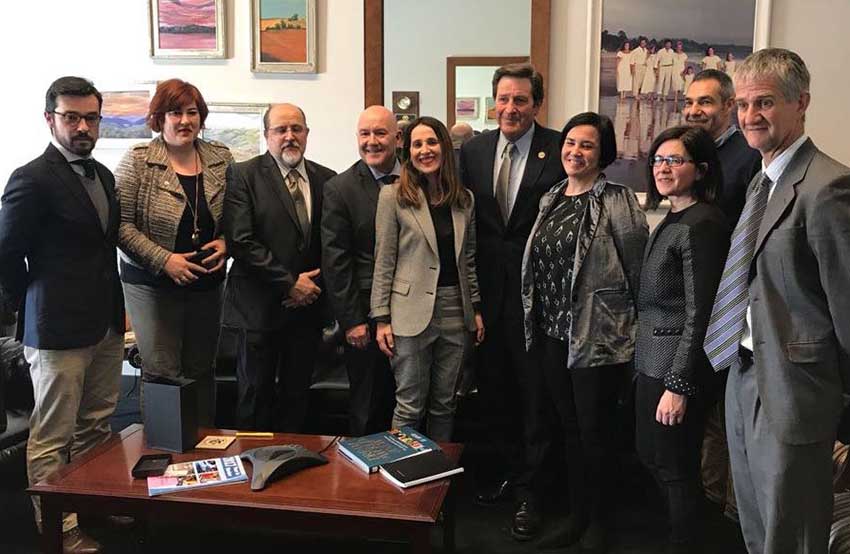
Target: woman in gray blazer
[[425, 290], [682, 266], [172, 263], [579, 286]]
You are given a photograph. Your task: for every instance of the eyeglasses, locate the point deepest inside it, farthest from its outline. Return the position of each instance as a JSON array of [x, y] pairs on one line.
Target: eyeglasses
[[73, 118], [672, 161]]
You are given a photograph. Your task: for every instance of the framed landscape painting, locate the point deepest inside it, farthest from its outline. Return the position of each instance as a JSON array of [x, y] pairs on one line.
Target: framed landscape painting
[[124, 114], [283, 36], [642, 59], [239, 126], [187, 28]]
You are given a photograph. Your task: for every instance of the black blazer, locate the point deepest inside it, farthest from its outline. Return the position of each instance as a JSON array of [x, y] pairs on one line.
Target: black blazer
[[348, 243], [681, 270], [69, 283], [500, 246], [268, 246], [740, 164]]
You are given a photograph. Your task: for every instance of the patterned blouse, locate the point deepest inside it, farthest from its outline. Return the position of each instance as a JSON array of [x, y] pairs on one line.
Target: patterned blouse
[[553, 252]]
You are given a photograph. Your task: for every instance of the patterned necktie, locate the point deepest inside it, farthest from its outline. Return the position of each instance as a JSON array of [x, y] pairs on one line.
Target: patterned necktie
[[730, 304], [87, 165], [503, 182], [293, 183]]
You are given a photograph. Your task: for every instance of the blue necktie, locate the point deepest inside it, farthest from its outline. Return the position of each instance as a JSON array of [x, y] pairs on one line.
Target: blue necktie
[[733, 295]]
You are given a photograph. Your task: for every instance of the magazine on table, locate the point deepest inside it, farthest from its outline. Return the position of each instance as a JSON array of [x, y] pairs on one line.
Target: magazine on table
[[198, 474]]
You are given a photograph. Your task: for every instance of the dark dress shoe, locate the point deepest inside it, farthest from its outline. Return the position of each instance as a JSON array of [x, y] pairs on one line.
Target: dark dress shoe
[[77, 542], [526, 521], [503, 492], [567, 532]]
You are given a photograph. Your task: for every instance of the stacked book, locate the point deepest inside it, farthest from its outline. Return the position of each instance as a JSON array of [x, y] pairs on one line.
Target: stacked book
[[405, 457]]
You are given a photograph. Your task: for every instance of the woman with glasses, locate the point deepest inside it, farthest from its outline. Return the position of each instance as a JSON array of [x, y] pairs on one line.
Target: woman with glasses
[[173, 253], [425, 296], [681, 270], [579, 286]]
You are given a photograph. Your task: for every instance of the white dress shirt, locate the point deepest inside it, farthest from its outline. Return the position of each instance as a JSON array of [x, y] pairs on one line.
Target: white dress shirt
[[518, 160]]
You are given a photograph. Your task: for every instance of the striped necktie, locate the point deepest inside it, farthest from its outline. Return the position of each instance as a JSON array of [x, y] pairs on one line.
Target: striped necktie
[[733, 295]]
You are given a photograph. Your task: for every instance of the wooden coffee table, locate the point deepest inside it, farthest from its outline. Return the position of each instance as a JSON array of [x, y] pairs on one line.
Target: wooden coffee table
[[336, 499]]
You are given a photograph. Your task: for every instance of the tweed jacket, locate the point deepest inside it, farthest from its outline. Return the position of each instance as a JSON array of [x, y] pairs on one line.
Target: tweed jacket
[[681, 269], [153, 202], [407, 263], [606, 274]]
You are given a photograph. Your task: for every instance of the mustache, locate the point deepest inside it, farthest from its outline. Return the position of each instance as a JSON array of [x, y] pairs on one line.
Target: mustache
[[291, 144]]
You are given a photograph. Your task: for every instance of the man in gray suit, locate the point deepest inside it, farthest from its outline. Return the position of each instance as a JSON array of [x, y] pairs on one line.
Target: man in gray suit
[[780, 315]]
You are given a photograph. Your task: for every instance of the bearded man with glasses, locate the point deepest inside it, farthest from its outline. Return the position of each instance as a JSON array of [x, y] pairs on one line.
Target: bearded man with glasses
[[58, 235]]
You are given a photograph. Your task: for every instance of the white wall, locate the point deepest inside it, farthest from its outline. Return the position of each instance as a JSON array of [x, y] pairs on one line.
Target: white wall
[[107, 41], [473, 28]]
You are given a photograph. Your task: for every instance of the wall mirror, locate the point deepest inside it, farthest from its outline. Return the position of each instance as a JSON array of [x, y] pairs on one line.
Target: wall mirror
[[469, 89], [407, 44]]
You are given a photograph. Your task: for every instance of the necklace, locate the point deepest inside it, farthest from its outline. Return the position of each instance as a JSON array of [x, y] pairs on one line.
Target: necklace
[[196, 232]]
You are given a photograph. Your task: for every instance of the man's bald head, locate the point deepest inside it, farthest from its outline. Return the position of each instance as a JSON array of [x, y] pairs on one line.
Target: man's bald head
[[460, 133], [377, 138]]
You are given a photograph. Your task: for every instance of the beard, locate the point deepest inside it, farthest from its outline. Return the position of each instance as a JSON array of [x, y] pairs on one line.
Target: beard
[[81, 145]]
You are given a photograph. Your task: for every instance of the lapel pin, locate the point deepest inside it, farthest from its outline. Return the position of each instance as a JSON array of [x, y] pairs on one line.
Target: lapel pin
[[541, 154]]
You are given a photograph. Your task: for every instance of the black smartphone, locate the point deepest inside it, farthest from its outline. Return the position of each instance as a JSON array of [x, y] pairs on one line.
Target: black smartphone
[[201, 255], [151, 465]]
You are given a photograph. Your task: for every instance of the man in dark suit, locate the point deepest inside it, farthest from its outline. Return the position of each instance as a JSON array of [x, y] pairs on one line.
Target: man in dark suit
[[348, 261], [58, 232], [508, 171], [709, 103], [272, 209], [780, 315]]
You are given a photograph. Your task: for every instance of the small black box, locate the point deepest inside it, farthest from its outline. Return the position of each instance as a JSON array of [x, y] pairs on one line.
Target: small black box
[[151, 465], [171, 414]]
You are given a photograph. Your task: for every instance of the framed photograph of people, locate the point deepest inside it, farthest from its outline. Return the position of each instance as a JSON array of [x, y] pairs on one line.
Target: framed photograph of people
[[187, 28], [283, 36], [239, 126], [643, 57]]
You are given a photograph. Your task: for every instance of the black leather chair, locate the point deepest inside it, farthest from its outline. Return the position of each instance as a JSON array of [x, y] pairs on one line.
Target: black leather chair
[[16, 402]]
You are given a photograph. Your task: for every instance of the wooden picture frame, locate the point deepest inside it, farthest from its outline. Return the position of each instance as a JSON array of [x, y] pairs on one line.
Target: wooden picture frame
[[282, 43], [187, 29]]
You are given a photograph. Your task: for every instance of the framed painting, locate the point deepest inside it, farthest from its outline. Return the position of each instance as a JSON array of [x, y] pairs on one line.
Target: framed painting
[[187, 28], [466, 107], [125, 111], [239, 126], [283, 36], [641, 59], [490, 117]]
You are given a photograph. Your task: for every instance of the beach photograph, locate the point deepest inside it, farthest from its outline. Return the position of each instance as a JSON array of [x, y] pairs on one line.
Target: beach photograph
[[649, 54]]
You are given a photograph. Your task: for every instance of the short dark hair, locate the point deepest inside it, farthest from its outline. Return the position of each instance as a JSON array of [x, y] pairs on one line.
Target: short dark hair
[[727, 89], [70, 86], [521, 71], [173, 94], [700, 147], [603, 126]]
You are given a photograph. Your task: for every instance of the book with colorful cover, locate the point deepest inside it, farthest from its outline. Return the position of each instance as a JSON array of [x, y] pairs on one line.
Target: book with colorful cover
[[369, 452], [198, 474]]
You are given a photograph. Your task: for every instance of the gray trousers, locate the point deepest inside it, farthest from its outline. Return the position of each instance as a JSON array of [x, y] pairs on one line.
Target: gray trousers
[[177, 332], [75, 394], [784, 491], [427, 368]]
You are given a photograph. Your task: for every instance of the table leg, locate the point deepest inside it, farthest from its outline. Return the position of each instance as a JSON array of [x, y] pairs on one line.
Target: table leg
[[51, 526], [420, 540], [449, 511]]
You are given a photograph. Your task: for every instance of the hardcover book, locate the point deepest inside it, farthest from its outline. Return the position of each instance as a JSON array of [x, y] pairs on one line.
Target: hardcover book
[[198, 474], [369, 452], [420, 468]]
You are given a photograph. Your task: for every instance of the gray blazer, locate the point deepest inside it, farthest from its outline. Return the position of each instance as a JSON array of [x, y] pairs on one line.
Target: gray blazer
[[800, 298], [407, 263], [606, 275], [152, 200]]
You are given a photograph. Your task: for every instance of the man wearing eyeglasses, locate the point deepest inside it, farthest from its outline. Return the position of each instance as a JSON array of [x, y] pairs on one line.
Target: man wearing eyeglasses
[[273, 296], [58, 233]]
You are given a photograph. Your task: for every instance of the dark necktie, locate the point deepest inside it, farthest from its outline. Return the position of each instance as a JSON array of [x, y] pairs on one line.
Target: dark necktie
[[293, 180], [388, 179], [88, 167], [733, 295], [503, 182]]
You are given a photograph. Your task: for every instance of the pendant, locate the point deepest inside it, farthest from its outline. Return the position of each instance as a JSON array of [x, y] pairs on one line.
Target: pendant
[[196, 239]]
